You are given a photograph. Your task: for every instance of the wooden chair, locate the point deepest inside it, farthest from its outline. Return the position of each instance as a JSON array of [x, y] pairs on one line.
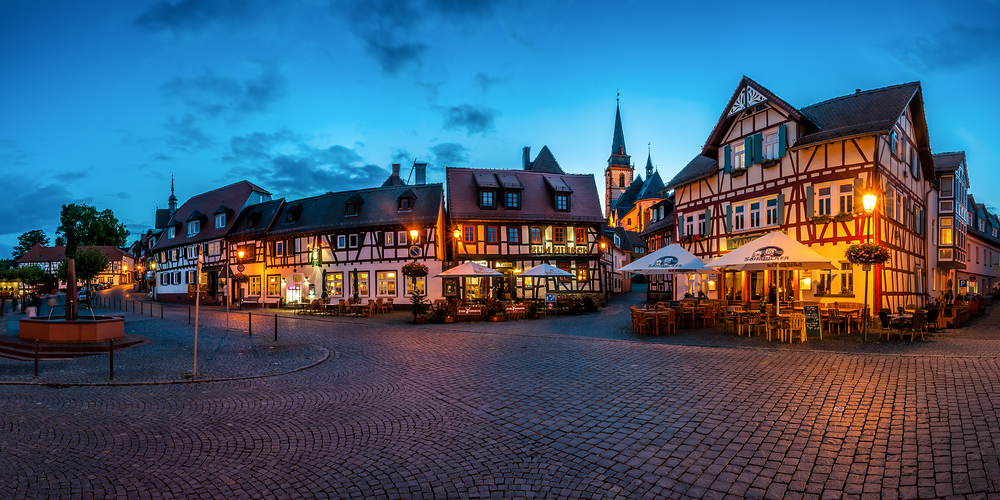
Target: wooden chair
[[389, 308], [669, 323], [730, 318], [772, 324], [792, 327], [370, 310], [835, 319], [706, 315], [643, 323], [380, 306], [917, 325]]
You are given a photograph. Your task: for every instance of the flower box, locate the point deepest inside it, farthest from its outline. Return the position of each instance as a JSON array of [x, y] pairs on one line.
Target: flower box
[[867, 253]]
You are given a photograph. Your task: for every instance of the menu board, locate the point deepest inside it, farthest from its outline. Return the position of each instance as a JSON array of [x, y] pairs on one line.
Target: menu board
[[813, 326]]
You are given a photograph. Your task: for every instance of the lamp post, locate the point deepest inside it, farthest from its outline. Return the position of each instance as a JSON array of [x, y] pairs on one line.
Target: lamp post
[[869, 200]]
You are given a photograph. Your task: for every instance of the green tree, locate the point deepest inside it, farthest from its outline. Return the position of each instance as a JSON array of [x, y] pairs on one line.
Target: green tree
[[89, 263], [28, 240], [29, 275], [91, 227]]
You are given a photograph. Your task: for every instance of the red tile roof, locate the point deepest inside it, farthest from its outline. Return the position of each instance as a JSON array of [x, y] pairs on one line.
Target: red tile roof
[[233, 195]]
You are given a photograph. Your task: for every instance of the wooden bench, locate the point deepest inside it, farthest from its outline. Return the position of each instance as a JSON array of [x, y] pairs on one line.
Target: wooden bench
[[250, 301]]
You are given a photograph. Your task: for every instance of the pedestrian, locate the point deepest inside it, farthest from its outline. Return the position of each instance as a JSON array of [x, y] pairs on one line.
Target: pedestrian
[[50, 300], [13, 305], [32, 308], [772, 294]]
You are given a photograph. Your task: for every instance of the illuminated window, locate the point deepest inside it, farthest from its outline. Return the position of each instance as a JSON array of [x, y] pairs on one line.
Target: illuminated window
[[421, 286], [363, 284], [253, 287], [581, 271], [335, 284], [388, 238], [386, 281], [469, 234], [581, 236], [273, 284], [559, 235]]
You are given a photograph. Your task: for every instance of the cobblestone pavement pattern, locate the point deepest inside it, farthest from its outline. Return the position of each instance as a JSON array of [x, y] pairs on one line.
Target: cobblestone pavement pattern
[[558, 408]]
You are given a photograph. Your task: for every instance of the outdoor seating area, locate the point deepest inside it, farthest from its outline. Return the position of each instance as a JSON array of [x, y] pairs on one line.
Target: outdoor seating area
[[342, 307]]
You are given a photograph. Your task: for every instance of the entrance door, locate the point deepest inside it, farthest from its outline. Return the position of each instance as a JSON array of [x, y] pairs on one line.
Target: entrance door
[[294, 292]]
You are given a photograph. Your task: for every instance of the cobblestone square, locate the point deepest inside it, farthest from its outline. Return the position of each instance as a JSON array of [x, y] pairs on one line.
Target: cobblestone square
[[566, 407]]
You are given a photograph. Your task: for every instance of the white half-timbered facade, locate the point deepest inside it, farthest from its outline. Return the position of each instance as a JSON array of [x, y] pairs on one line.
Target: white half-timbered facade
[[769, 166]]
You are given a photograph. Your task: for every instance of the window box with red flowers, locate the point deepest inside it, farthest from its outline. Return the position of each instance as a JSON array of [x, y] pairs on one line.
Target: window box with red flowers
[[693, 238]]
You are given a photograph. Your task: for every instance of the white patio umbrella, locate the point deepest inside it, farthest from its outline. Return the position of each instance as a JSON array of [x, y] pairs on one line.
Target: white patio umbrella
[[546, 271], [773, 251], [469, 270], [669, 259]]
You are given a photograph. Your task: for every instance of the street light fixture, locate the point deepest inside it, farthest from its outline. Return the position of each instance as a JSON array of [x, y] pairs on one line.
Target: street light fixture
[[869, 201], [414, 234]]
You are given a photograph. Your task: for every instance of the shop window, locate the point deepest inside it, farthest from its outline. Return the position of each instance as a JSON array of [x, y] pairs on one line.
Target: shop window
[[363, 284], [386, 282], [335, 284]]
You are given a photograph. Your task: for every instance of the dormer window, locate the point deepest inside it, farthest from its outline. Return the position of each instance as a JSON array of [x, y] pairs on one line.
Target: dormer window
[[171, 232], [352, 209], [487, 199], [289, 216], [405, 204], [220, 221], [194, 227], [353, 205], [293, 213], [512, 200], [562, 202]]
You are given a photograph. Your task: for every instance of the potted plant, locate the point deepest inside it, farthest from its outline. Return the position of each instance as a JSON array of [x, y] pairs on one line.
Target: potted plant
[[843, 217], [821, 219], [415, 270]]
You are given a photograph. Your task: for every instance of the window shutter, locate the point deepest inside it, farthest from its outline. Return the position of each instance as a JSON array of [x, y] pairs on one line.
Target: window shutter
[[782, 138], [729, 218], [758, 149], [859, 202], [748, 151], [708, 222], [728, 152], [680, 225], [916, 166], [809, 202], [781, 208]]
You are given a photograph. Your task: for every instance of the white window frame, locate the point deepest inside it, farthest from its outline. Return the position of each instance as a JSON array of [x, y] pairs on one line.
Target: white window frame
[[771, 209], [689, 225], [824, 201], [254, 286], [335, 280], [701, 223], [352, 241], [386, 283], [737, 156], [739, 217], [770, 142], [341, 241], [171, 232], [845, 197], [389, 241], [401, 238], [754, 212], [193, 227], [220, 221]]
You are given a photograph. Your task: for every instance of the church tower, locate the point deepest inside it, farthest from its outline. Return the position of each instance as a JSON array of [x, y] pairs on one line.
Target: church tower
[[618, 174], [172, 201]]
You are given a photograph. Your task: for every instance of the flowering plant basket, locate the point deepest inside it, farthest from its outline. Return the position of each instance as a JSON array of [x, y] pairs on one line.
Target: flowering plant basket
[[415, 270], [241, 278], [692, 238], [867, 253], [821, 219]]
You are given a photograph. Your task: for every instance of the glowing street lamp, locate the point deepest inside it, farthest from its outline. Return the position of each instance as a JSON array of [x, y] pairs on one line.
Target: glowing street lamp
[[869, 201], [413, 235]]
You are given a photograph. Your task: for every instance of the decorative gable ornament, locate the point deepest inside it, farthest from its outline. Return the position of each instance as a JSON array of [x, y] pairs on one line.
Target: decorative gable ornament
[[747, 98]]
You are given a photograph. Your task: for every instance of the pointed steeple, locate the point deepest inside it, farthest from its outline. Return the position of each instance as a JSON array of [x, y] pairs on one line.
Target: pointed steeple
[[172, 201], [618, 143], [649, 163]]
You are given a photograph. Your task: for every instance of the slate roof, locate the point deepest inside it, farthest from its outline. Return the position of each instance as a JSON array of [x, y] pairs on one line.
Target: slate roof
[[665, 222], [634, 238], [948, 162], [618, 143], [264, 215], [546, 163], [638, 190], [235, 195], [698, 168], [162, 218], [856, 114], [38, 253], [378, 208], [623, 241], [536, 197]]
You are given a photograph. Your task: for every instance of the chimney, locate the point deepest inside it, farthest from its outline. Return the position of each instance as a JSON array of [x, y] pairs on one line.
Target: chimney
[[526, 158], [421, 169], [394, 178]]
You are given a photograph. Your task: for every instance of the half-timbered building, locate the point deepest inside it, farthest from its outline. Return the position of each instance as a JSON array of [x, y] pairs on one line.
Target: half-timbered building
[[658, 234], [949, 222], [982, 248], [117, 272], [353, 244], [250, 281], [512, 220], [769, 166], [200, 226]]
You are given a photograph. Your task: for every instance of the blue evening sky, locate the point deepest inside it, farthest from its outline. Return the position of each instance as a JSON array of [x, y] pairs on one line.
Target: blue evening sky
[[100, 102]]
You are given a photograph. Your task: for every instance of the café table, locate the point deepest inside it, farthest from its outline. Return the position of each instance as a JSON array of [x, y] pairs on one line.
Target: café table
[[358, 309], [661, 317]]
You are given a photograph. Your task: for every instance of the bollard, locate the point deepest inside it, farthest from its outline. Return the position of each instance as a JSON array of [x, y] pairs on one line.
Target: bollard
[[111, 357], [250, 323], [275, 327], [141, 306], [189, 315], [161, 311], [36, 358]]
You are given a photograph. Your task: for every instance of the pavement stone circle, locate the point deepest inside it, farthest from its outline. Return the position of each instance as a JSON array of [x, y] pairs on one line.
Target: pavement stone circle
[[567, 407]]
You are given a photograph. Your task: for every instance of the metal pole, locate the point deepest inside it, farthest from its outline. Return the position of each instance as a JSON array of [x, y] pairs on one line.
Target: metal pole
[[36, 358], [250, 323], [141, 307], [197, 300], [161, 311], [866, 317], [189, 315], [229, 284], [275, 327], [111, 357]]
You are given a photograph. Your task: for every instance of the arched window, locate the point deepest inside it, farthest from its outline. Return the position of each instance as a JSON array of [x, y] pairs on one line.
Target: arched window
[[621, 179]]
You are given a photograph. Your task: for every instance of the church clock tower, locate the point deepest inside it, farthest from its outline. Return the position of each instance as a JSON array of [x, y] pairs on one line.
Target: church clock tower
[[618, 174]]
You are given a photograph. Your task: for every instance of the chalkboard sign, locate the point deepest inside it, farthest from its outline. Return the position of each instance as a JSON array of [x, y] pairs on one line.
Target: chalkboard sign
[[813, 330]]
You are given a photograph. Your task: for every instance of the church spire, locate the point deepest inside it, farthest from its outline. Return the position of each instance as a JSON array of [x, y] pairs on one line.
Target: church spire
[[649, 162], [618, 143], [172, 201]]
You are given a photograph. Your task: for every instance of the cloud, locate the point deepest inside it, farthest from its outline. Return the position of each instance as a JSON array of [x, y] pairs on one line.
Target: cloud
[[162, 157], [486, 81], [393, 31], [284, 162], [400, 155], [185, 135], [215, 96], [35, 207], [192, 15], [449, 154], [955, 46], [11, 155], [473, 119]]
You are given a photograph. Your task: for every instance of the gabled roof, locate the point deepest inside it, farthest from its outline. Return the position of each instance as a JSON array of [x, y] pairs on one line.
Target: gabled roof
[[665, 222], [509, 181], [38, 253], [223, 209], [162, 218], [623, 241], [546, 163], [236, 195], [635, 239], [536, 197], [948, 162], [856, 114], [196, 215], [263, 215], [698, 168], [379, 208]]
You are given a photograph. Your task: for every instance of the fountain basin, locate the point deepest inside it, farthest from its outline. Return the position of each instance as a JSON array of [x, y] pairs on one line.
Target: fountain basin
[[83, 330]]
